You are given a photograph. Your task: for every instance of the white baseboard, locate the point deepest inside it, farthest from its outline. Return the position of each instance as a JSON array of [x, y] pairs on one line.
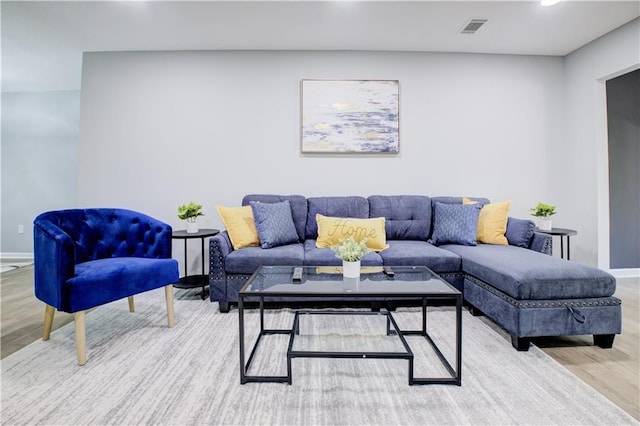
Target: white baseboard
[[625, 273], [16, 255]]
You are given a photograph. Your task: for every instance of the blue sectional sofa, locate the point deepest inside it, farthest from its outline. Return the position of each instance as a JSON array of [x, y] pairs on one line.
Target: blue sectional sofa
[[519, 286]]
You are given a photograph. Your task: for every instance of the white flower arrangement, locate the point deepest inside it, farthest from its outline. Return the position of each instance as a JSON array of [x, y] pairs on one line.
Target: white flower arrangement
[[349, 250]]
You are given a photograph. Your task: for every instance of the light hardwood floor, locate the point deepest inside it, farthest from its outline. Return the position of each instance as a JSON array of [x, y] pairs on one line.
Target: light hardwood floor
[[615, 372]]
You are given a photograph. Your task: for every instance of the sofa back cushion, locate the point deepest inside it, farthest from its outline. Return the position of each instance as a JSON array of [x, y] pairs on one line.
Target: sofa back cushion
[[351, 206], [457, 200], [408, 217], [298, 207]]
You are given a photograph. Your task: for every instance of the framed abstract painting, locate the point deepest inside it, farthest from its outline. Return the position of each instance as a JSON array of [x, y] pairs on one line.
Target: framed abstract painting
[[350, 116]]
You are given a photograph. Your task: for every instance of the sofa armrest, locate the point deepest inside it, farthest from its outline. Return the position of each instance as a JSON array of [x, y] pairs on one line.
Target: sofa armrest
[[54, 262], [542, 243], [521, 233], [219, 248]]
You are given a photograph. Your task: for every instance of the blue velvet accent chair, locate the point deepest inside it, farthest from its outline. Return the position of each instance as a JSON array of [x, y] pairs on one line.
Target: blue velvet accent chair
[[84, 258]]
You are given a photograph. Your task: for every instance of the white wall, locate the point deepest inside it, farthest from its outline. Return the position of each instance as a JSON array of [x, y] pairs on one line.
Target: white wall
[[39, 161], [159, 129], [580, 169]]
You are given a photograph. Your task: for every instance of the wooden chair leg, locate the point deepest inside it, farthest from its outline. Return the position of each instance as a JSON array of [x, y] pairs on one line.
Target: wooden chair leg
[[168, 293], [81, 343], [132, 307], [49, 311]]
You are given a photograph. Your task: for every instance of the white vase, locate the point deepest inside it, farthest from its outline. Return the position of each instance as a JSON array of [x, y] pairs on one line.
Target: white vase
[[351, 269], [350, 284], [192, 227], [544, 224]]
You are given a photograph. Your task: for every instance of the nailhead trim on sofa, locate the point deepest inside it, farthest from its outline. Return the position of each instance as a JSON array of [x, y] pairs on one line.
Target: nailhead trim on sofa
[[613, 301]]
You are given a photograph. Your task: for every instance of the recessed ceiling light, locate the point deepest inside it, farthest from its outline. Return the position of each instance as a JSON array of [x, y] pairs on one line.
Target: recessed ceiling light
[[549, 2]]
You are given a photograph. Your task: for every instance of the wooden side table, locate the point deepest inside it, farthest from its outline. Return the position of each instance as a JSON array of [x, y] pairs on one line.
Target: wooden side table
[[561, 232], [193, 281]]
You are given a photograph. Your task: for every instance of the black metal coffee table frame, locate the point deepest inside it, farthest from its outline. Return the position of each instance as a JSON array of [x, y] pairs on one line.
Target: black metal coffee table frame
[[455, 376]]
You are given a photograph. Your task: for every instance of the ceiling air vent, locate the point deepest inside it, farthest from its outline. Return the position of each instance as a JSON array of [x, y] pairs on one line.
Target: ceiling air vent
[[472, 26]]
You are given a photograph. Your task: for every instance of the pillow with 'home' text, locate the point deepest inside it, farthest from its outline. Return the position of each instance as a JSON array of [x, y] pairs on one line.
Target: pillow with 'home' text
[[333, 229]]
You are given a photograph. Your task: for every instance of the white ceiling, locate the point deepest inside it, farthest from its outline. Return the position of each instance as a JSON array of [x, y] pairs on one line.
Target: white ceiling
[[42, 42]]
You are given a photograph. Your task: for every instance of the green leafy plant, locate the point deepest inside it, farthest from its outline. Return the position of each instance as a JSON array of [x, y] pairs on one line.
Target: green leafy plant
[[543, 210], [190, 212], [350, 250]]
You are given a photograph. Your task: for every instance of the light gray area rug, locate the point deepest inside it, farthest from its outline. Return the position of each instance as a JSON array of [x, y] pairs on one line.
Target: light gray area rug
[[141, 372]]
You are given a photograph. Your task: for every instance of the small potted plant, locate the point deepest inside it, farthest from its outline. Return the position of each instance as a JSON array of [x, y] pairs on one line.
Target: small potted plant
[[351, 252], [543, 212], [190, 213]]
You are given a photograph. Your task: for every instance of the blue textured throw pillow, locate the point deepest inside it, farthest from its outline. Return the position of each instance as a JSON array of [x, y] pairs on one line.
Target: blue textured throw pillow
[[455, 224], [274, 224], [519, 232]]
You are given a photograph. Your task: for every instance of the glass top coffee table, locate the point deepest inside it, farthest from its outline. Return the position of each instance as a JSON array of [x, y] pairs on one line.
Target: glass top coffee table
[[277, 283]]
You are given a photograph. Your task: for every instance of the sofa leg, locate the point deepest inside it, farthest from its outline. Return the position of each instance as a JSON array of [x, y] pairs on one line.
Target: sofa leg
[[520, 343], [224, 307], [375, 306], [391, 306], [475, 311], [605, 341]]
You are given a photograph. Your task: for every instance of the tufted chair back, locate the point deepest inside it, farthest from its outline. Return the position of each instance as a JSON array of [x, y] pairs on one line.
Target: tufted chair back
[[103, 233]]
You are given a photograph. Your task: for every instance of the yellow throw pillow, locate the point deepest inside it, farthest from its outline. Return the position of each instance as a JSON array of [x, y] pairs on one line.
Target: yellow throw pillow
[[332, 229], [492, 222], [240, 226]]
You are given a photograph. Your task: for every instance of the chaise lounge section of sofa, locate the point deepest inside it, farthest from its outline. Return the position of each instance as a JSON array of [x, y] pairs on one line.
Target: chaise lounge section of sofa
[[519, 286]]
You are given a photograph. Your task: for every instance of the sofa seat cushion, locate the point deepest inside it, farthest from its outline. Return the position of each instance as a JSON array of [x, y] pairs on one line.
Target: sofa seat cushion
[[420, 253], [314, 256], [526, 274], [97, 282], [249, 259]]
